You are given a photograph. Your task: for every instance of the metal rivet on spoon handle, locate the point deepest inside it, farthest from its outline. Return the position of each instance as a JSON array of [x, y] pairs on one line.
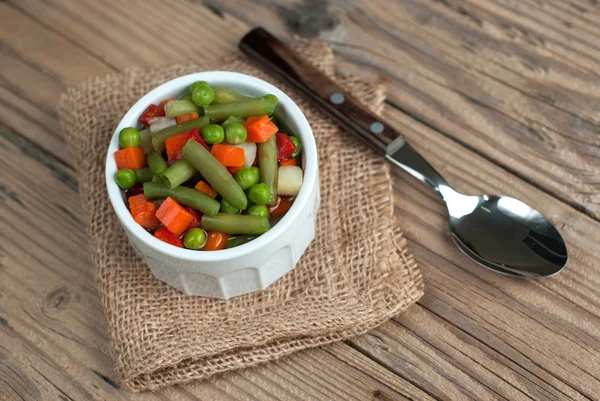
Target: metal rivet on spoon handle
[[498, 232]]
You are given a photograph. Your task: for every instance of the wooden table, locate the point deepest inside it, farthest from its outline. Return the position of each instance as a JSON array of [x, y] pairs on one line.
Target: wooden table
[[502, 97]]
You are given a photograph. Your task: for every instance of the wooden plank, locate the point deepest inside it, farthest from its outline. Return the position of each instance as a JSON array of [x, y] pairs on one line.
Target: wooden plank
[[581, 10], [37, 64], [52, 330], [571, 46], [560, 15], [164, 38]]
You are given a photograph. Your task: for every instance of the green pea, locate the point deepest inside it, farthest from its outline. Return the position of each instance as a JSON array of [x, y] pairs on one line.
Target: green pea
[[298, 144], [246, 177], [259, 210], [187, 96], [235, 134], [213, 133], [203, 95], [195, 239], [129, 138], [125, 178], [197, 84], [259, 194], [226, 207]]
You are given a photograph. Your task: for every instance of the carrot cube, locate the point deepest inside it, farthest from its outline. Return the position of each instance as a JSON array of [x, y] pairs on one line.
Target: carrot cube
[[215, 241], [187, 117], [133, 158], [174, 216], [138, 203], [288, 162], [228, 155], [260, 128], [203, 187], [146, 220]]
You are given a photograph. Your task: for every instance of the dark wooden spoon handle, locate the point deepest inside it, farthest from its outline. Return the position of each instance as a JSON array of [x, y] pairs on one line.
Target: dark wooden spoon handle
[[259, 44]]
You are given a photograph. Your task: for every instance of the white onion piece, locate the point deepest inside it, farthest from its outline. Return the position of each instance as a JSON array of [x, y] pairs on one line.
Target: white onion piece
[[289, 180], [153, 120], [160, 123], [249, 153]]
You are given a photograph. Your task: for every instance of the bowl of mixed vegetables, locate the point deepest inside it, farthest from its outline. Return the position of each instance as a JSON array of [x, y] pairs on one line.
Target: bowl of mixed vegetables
[[214, 178]]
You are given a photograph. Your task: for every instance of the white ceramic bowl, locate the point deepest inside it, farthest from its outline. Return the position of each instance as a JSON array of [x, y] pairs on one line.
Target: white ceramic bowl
[[249, 267]]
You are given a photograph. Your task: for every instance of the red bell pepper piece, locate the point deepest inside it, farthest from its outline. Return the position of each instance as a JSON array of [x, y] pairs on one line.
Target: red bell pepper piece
[[151, 112], [195, 223], [176, 143], [167, 236], [135, 190], [285, 146], [282, 206], [232, 170], [195, 135]]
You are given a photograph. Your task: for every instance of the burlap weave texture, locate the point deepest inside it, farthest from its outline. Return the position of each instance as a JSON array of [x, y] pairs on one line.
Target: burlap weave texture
[[356, 274]]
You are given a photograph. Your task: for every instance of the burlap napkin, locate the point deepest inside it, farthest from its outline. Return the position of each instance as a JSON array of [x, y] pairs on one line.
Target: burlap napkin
[[355, 275]]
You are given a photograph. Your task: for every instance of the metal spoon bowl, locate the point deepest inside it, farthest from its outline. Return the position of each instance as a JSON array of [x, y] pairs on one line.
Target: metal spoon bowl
[[500, 233]]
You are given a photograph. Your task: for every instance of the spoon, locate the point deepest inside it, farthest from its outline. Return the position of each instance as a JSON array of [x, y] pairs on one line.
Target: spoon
[[500, 233]]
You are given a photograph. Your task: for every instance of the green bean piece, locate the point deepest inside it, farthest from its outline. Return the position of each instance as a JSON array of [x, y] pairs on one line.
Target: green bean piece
[[143, 175], [125, 178], [226, 95], [235, 134], [178, 173], [296, 141], [184, 195], [281, 121], [267, 164], [159, 138], [236, 224], [258, 210], [129, 138], [146, 141], [215, 173], [232, 120], [254, 107], [227, 208], [187, 96], [176, 108], [232, 242], [194, 239], [157, 163]]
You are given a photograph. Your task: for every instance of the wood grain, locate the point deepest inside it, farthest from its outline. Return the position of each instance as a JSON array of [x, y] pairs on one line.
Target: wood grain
[[501, 97]]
